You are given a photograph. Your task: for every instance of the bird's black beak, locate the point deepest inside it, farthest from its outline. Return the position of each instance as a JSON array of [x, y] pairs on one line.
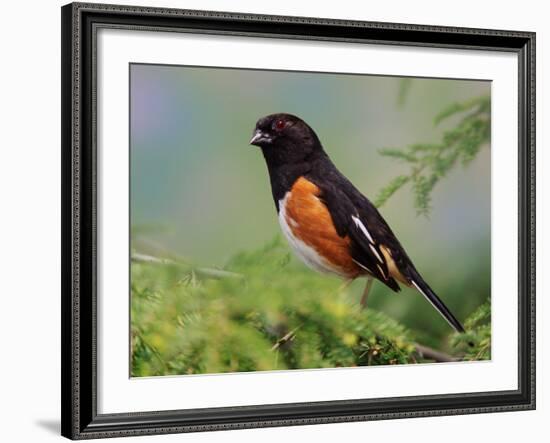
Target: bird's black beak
[[260, 138]]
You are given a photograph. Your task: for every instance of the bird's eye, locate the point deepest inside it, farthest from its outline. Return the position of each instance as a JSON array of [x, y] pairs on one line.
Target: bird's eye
[[279, 125]]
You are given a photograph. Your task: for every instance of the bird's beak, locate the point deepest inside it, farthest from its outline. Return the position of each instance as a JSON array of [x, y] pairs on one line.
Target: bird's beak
[[259, 138]]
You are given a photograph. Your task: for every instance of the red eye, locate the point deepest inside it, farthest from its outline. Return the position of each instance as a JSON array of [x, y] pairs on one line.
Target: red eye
[[280, 124]]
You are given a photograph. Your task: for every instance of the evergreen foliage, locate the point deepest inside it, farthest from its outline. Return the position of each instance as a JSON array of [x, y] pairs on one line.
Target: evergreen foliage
[[251, 319], [475, 344], [428, 163], [183, 323]]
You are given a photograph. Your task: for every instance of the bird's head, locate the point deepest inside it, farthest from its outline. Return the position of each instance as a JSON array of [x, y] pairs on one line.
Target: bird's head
[[285, 139]]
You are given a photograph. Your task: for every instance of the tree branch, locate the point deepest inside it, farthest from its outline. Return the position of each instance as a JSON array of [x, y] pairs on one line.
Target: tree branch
[[432, 354]]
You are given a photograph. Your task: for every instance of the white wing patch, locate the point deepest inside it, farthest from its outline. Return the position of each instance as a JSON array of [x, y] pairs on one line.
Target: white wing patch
[[375, 252], [366, 233], [362, 227], [382, 271], [363, 266]]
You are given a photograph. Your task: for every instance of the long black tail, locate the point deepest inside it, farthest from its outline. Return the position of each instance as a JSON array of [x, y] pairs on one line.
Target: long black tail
[[423, 287]]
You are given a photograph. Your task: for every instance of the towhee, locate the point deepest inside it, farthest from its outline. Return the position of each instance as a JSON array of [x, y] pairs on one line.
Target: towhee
[[328, 223]]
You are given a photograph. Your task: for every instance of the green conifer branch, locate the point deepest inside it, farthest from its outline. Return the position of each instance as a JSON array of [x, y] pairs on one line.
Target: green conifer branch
[[430, 162]]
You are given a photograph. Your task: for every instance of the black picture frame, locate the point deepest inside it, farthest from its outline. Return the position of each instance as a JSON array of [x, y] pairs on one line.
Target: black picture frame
[[79, 180]]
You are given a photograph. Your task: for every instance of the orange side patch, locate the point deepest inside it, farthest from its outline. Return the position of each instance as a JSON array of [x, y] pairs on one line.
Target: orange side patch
[[310, 221]]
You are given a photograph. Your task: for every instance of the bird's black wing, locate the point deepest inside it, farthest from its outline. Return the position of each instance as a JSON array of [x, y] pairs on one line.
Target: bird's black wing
[[350, 220], [355, 216]]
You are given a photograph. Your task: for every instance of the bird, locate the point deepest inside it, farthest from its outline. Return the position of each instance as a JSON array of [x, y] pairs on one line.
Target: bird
[[329, 224]]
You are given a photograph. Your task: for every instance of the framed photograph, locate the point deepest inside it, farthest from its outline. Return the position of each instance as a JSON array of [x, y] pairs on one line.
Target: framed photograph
[[273, 221]]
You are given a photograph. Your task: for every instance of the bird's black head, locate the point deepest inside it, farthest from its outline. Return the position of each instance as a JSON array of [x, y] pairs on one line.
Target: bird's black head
[[285, 139]]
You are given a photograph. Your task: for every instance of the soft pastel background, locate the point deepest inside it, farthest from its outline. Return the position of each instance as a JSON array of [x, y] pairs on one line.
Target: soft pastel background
[[199, 190]]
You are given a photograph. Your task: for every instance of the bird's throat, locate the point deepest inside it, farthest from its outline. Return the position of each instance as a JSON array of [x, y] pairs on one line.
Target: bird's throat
[[282, 177]]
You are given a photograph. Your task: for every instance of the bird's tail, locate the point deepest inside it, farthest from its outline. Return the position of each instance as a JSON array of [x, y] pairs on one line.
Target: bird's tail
[[423, 287]]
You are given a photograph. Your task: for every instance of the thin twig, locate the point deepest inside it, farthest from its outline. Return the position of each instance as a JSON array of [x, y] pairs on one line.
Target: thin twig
[[204, 272], [144, 258], [287, 337], [216, 273], [433, 354]]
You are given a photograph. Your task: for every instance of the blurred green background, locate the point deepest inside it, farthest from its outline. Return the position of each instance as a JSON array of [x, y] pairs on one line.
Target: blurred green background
[[199, 192]]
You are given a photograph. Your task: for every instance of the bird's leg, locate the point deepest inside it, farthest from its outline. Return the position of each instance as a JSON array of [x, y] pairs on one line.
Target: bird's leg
[[344, 285], [366, 291]]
